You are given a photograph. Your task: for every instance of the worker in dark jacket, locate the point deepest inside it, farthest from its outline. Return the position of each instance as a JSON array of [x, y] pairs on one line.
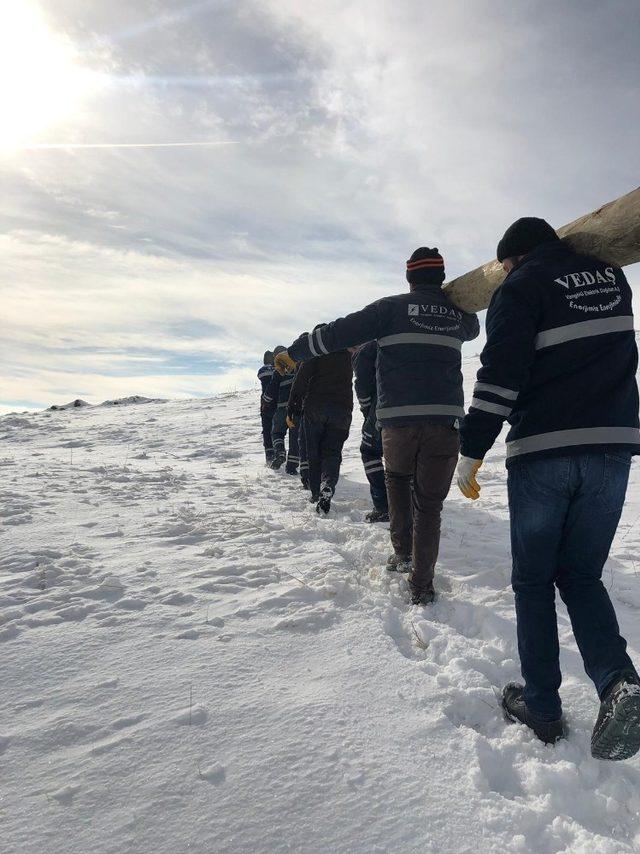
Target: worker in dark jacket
[[277, 396], [364, 370], [323, 386], [302, 450], [560, 365], [265, 375], [420, 398]]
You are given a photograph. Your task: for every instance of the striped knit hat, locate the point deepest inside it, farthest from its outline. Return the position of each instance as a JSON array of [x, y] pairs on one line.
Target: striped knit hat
[[425, 267]]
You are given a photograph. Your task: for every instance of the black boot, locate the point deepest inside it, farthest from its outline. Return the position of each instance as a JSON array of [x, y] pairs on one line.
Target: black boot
[[324, 502], [422, 595], [616, 734], [269, 456], [278, 460], [291, 468], [516, 711], [377, 516], [399, 563], [305, 481]]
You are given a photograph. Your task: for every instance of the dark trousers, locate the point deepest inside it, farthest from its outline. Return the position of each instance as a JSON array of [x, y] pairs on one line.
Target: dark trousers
[[266, 416], [302, 448], [371, 453], [427, 454], [564, 514], [278, 432], [326, 431]]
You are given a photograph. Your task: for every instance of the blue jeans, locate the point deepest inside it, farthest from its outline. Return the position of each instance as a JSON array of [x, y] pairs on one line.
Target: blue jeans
[[564, 514]]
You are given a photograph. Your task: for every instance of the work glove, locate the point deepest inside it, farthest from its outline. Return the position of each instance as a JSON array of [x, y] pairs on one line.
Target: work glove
[[466, 477], [290, 423], [284, 363]]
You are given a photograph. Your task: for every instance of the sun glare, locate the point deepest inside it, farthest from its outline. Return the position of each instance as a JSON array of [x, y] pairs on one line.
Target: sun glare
[[40, 80]]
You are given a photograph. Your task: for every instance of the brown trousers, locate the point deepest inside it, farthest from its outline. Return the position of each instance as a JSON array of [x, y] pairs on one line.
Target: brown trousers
[[425, 454]]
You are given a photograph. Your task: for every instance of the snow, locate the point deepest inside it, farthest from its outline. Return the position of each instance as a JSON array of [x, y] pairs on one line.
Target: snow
[[192, 660]]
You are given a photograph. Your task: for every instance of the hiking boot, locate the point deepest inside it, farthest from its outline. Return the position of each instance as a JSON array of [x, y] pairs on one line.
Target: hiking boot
[[324, 502], [291, 468], [422, 595], [269, 456], [314, 498], [278, 461], [399, 563], [377, 516], [516, 711], [305, 481], [616, 734]]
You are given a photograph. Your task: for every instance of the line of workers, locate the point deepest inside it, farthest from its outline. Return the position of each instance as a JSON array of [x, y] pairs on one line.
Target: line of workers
[[314, 407]]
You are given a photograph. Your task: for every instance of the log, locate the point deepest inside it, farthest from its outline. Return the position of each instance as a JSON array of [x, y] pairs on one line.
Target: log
[[612, 234]]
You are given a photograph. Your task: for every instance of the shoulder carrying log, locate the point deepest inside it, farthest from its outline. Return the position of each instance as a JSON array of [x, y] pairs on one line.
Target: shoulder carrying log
[[612, 233]]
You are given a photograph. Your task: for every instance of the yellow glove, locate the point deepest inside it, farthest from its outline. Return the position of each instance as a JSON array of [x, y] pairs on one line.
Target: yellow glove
[[291, 423], [284, 363], [466, 477]]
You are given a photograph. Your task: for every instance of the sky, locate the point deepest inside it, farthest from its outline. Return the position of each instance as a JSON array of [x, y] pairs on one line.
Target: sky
[[186, 184]]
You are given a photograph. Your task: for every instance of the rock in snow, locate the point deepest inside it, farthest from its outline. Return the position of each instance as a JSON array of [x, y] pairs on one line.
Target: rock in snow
[[74, 404], [174, 614], [133, 400]]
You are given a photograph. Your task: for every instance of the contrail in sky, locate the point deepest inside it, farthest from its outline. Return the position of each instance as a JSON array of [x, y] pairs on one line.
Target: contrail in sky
[[56, 145]]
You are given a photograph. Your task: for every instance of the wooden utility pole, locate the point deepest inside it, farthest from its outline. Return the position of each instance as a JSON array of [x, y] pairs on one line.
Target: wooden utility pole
[[612, 233]]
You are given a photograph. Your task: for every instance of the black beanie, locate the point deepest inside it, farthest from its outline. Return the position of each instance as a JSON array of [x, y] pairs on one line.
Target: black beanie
[[524, 235], [425, 267], [267, 359]]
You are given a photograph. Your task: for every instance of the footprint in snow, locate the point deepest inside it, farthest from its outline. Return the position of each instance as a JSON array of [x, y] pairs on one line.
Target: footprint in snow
[[65, 795], [108, 683], [124, 723], [215, 773], [177, 598], [132, 604], [194, 716], [189, 634]]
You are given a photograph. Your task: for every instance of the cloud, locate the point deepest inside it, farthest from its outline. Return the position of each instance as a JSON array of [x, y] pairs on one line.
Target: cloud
[[118, 316], [362, 130], [51, 146]]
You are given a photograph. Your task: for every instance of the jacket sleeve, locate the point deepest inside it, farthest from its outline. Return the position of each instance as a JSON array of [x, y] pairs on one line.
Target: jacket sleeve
[[265, 378], [364, 368], [512, 324], [300, 387], [345, 332], [471, 326], [273, 389]]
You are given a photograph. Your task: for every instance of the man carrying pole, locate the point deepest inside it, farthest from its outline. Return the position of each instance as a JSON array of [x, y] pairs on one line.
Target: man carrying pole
[[560, 365], [419, 337]]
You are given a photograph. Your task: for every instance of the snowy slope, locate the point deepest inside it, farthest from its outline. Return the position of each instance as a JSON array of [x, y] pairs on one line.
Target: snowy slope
[[193, 661]]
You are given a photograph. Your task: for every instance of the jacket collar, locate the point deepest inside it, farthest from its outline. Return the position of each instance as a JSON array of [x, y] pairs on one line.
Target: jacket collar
[[425, 288], [549, 250]]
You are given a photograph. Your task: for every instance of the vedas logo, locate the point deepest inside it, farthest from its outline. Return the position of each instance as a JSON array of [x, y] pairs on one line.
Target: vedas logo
[[438, 310]]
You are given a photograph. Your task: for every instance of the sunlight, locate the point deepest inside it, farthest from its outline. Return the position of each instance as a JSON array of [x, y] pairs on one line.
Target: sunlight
[[40, 82]]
